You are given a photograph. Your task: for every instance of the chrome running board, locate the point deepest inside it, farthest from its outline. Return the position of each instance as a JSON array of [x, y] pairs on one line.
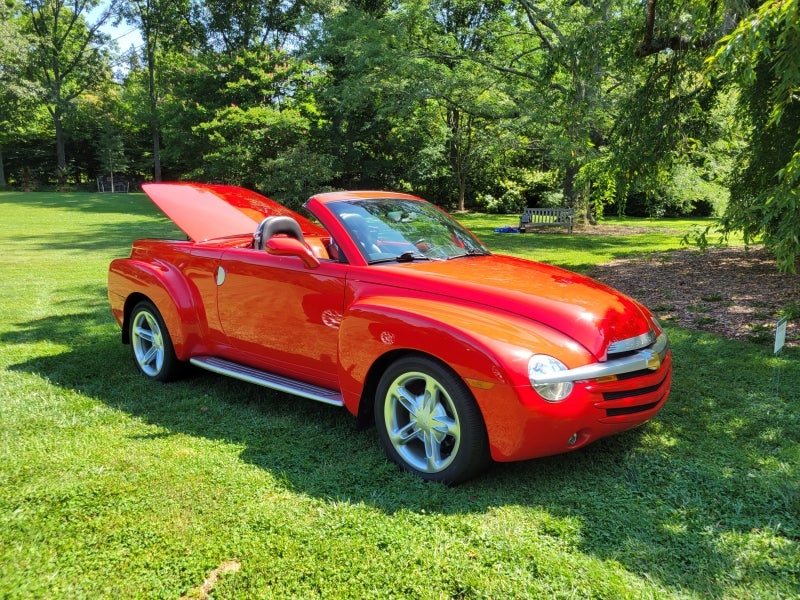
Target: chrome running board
[[266, 379]]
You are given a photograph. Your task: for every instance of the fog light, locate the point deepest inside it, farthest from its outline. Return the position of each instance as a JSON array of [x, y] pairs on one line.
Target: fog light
[[573, 440]]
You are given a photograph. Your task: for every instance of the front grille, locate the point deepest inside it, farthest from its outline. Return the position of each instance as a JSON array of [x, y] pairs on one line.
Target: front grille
[[634, 374], [620, 404], [633, 393], [622, 397]]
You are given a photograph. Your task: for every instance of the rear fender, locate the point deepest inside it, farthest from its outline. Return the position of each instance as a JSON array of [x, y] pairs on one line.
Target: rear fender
[[165, 286]]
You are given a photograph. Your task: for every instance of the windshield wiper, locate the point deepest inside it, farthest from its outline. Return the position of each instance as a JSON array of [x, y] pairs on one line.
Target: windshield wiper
[[472, 252], [410, 256]]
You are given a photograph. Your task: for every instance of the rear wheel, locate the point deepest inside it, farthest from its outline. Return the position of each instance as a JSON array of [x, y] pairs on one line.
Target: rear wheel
[[151, 345], [429, 423]]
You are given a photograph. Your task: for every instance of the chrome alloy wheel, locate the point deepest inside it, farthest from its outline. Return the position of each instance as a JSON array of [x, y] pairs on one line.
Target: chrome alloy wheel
[[147, 342], [422, 422]]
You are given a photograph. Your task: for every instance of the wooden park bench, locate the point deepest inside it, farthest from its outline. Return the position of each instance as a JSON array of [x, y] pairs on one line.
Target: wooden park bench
[[534, 217]]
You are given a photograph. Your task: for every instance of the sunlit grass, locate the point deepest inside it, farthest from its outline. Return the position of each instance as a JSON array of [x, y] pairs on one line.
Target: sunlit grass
[[588, 245], [113, 487]]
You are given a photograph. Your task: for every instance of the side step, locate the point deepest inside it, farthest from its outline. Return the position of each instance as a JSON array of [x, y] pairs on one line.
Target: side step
[[270, 380]]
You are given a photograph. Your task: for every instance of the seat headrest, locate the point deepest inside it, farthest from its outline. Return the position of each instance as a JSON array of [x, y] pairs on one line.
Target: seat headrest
[[275, 225]]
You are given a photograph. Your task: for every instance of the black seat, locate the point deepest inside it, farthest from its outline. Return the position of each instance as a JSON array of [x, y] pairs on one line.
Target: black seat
[[276, 225]]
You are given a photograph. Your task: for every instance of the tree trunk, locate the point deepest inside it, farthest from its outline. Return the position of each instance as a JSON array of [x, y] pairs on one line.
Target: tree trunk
[[61, 154], [570, 194], [155, 127], [458, 150], [2, 171], [590, 216]]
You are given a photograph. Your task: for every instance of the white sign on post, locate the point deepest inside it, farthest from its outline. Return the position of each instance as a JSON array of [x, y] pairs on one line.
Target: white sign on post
[[780, 334]]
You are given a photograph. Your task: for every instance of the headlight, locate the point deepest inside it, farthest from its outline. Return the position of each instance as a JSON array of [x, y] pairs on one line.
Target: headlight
[[542, 364]]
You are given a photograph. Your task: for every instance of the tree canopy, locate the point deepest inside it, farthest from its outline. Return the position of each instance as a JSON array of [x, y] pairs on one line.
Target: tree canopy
[[659, 108]]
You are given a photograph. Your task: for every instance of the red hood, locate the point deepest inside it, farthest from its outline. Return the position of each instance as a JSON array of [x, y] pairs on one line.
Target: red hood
[[206, 212], [581, 308]]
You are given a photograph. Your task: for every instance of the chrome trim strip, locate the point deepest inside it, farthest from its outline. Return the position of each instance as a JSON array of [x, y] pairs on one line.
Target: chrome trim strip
[[634, 343], [270, 380], [644, 359]]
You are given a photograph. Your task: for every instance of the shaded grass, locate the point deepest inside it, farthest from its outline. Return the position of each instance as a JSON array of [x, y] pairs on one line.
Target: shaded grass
[[111, 486]]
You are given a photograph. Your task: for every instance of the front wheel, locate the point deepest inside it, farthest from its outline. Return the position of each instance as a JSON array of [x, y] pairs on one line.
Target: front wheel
[[151, 345], [429, 423]]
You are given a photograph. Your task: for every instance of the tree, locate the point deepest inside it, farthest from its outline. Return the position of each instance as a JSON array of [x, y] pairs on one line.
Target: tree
[[68, 57], [575, 72], [755, 53], [470, 101], [17, 95], [249, 119], [686, 31], [760, 59], [111, 151], [359, 97], [559, 64], [232, 25], [159, 21], [405, 110]]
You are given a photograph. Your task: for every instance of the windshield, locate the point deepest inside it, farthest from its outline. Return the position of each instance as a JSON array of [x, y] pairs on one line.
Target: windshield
[[399, 229]]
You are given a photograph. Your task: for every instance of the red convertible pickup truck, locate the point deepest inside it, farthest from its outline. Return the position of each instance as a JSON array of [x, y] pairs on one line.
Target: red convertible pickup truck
[[384, 305]]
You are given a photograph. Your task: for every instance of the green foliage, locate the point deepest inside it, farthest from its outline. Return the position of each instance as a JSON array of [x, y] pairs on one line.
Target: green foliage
[[602, 180], [695, 195], [522, 187], [17, 95], [230, 26], [238, 138], [263, 148], [370, 119], [111, 151], [760, 59], [253, 123], [68, 57]]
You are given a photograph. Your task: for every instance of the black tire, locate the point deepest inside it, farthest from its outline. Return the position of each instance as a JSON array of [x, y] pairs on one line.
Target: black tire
[[151, 344], [429, 423]]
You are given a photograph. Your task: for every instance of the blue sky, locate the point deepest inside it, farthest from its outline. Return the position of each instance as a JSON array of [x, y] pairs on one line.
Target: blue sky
[[125, 35]]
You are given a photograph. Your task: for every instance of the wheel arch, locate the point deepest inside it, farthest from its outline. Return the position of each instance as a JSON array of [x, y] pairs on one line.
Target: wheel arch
[[366, 410], [165, 286], [377, 332], [127, 311]]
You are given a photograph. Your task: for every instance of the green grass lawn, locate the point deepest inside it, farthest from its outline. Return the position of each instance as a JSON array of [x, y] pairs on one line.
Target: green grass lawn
[[580, 251], [113, 487]]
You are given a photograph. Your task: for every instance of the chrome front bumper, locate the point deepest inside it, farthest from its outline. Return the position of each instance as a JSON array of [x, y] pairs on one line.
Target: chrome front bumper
[[646, 359]]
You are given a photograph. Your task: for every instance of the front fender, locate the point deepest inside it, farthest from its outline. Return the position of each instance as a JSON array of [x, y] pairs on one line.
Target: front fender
[[163, 284], [488, 349]]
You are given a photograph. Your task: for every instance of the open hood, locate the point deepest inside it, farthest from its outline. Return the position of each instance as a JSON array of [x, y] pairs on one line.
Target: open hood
[[206, 212]]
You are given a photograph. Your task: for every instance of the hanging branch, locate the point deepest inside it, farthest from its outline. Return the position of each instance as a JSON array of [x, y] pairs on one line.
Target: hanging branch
[[652, 44]]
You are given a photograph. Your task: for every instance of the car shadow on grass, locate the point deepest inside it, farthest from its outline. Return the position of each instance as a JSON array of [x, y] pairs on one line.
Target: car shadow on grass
[[678, 501]]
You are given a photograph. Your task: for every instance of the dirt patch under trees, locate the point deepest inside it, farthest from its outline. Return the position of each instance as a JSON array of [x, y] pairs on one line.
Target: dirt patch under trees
[[733, 291]]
